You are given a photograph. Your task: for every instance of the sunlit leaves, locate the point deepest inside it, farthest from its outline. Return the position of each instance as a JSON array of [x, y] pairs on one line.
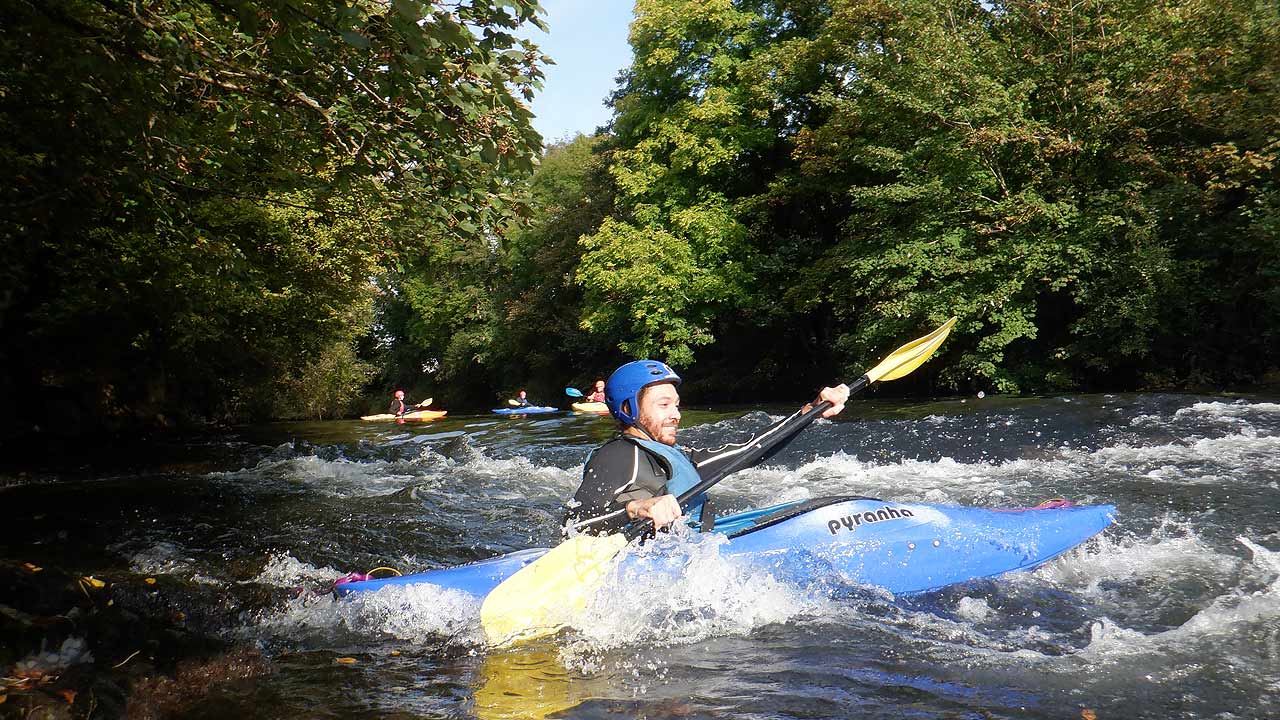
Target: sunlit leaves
[[1073, 181], [647, 285], [220, 180]]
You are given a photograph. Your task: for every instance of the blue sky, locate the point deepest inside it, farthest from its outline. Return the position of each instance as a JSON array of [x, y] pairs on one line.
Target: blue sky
[[588, 41]]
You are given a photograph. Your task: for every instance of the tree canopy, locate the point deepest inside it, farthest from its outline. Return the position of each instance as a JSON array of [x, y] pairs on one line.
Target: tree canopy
[[218, 205], [201, 192]]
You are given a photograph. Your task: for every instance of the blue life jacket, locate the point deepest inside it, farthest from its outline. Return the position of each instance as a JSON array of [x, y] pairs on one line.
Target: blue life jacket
[[681, 473]]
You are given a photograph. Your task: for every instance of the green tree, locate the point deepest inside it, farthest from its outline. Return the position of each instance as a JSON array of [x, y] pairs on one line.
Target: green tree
[[152, 145], [1016, 166], [660, 269], [434, 318], [537, 334], [1091, 188]]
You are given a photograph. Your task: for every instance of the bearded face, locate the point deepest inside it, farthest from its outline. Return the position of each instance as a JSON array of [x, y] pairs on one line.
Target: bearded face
[[660, 412]]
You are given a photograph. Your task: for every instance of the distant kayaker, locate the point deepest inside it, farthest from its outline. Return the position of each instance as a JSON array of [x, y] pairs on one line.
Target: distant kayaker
[[522, 399], [398, 408], [596, 395], [641, 471]]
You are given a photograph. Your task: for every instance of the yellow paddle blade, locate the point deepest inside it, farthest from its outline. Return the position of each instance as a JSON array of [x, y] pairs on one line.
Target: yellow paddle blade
[[426, 402], [513, 403], [541, 596], [910, 356]]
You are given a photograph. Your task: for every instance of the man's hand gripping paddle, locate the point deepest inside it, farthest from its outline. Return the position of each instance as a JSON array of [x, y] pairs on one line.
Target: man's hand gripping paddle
[[542, 596]]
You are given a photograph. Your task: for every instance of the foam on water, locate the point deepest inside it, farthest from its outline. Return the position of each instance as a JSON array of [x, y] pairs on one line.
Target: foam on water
[[519, 479], [944, 481], [1173, 611], [285, 571], [336, 478], [161, 558], [1237, 409], [974, 610], [473, 473], [1242, 455], [414, 613], [1029, 624], [1108, 652], [1172, 549], [679, 589], [1256, 600], [1239, 451], [692, 594], [1238, 612]]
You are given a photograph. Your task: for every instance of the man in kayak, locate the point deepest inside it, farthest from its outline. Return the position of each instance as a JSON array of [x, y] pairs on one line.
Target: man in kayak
[[639, 473], [522, 399], [597, 394], [398, 408]]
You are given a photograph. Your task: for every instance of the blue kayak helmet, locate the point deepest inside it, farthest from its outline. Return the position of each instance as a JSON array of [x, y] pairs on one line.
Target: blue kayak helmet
[[622, 391]]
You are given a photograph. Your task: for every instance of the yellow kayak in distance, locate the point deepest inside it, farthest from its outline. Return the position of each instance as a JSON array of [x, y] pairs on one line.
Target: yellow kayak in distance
[[418, 416], [597, 408]]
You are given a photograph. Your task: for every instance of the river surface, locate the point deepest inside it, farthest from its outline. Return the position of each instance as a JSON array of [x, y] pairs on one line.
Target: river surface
[[217, 553]]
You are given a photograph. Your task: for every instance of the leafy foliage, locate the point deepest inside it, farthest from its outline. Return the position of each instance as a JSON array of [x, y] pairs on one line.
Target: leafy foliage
[[1015, 168], [233, 198], [200, 191], [331, 386], [1089, 188], [537, 323]]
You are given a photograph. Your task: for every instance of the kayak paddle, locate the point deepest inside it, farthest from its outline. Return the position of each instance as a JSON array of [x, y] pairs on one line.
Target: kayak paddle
[[535, 600], [424, 403], [573, 392]]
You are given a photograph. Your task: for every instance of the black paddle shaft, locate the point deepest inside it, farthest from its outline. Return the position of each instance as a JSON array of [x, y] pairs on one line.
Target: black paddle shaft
[[639, 527]]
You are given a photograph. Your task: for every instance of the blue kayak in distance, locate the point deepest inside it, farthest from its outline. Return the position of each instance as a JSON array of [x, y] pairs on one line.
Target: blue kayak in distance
[[526, 410], [905, 548]]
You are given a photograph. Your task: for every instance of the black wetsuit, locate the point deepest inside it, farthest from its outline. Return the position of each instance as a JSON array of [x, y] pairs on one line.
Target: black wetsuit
[[621, 471]]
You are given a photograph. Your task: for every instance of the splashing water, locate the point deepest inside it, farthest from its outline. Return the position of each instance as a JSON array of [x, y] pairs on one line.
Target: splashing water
[[1173, 612]]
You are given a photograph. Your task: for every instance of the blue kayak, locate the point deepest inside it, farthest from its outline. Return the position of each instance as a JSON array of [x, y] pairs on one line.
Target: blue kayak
[[904, 548], [526, 410]]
